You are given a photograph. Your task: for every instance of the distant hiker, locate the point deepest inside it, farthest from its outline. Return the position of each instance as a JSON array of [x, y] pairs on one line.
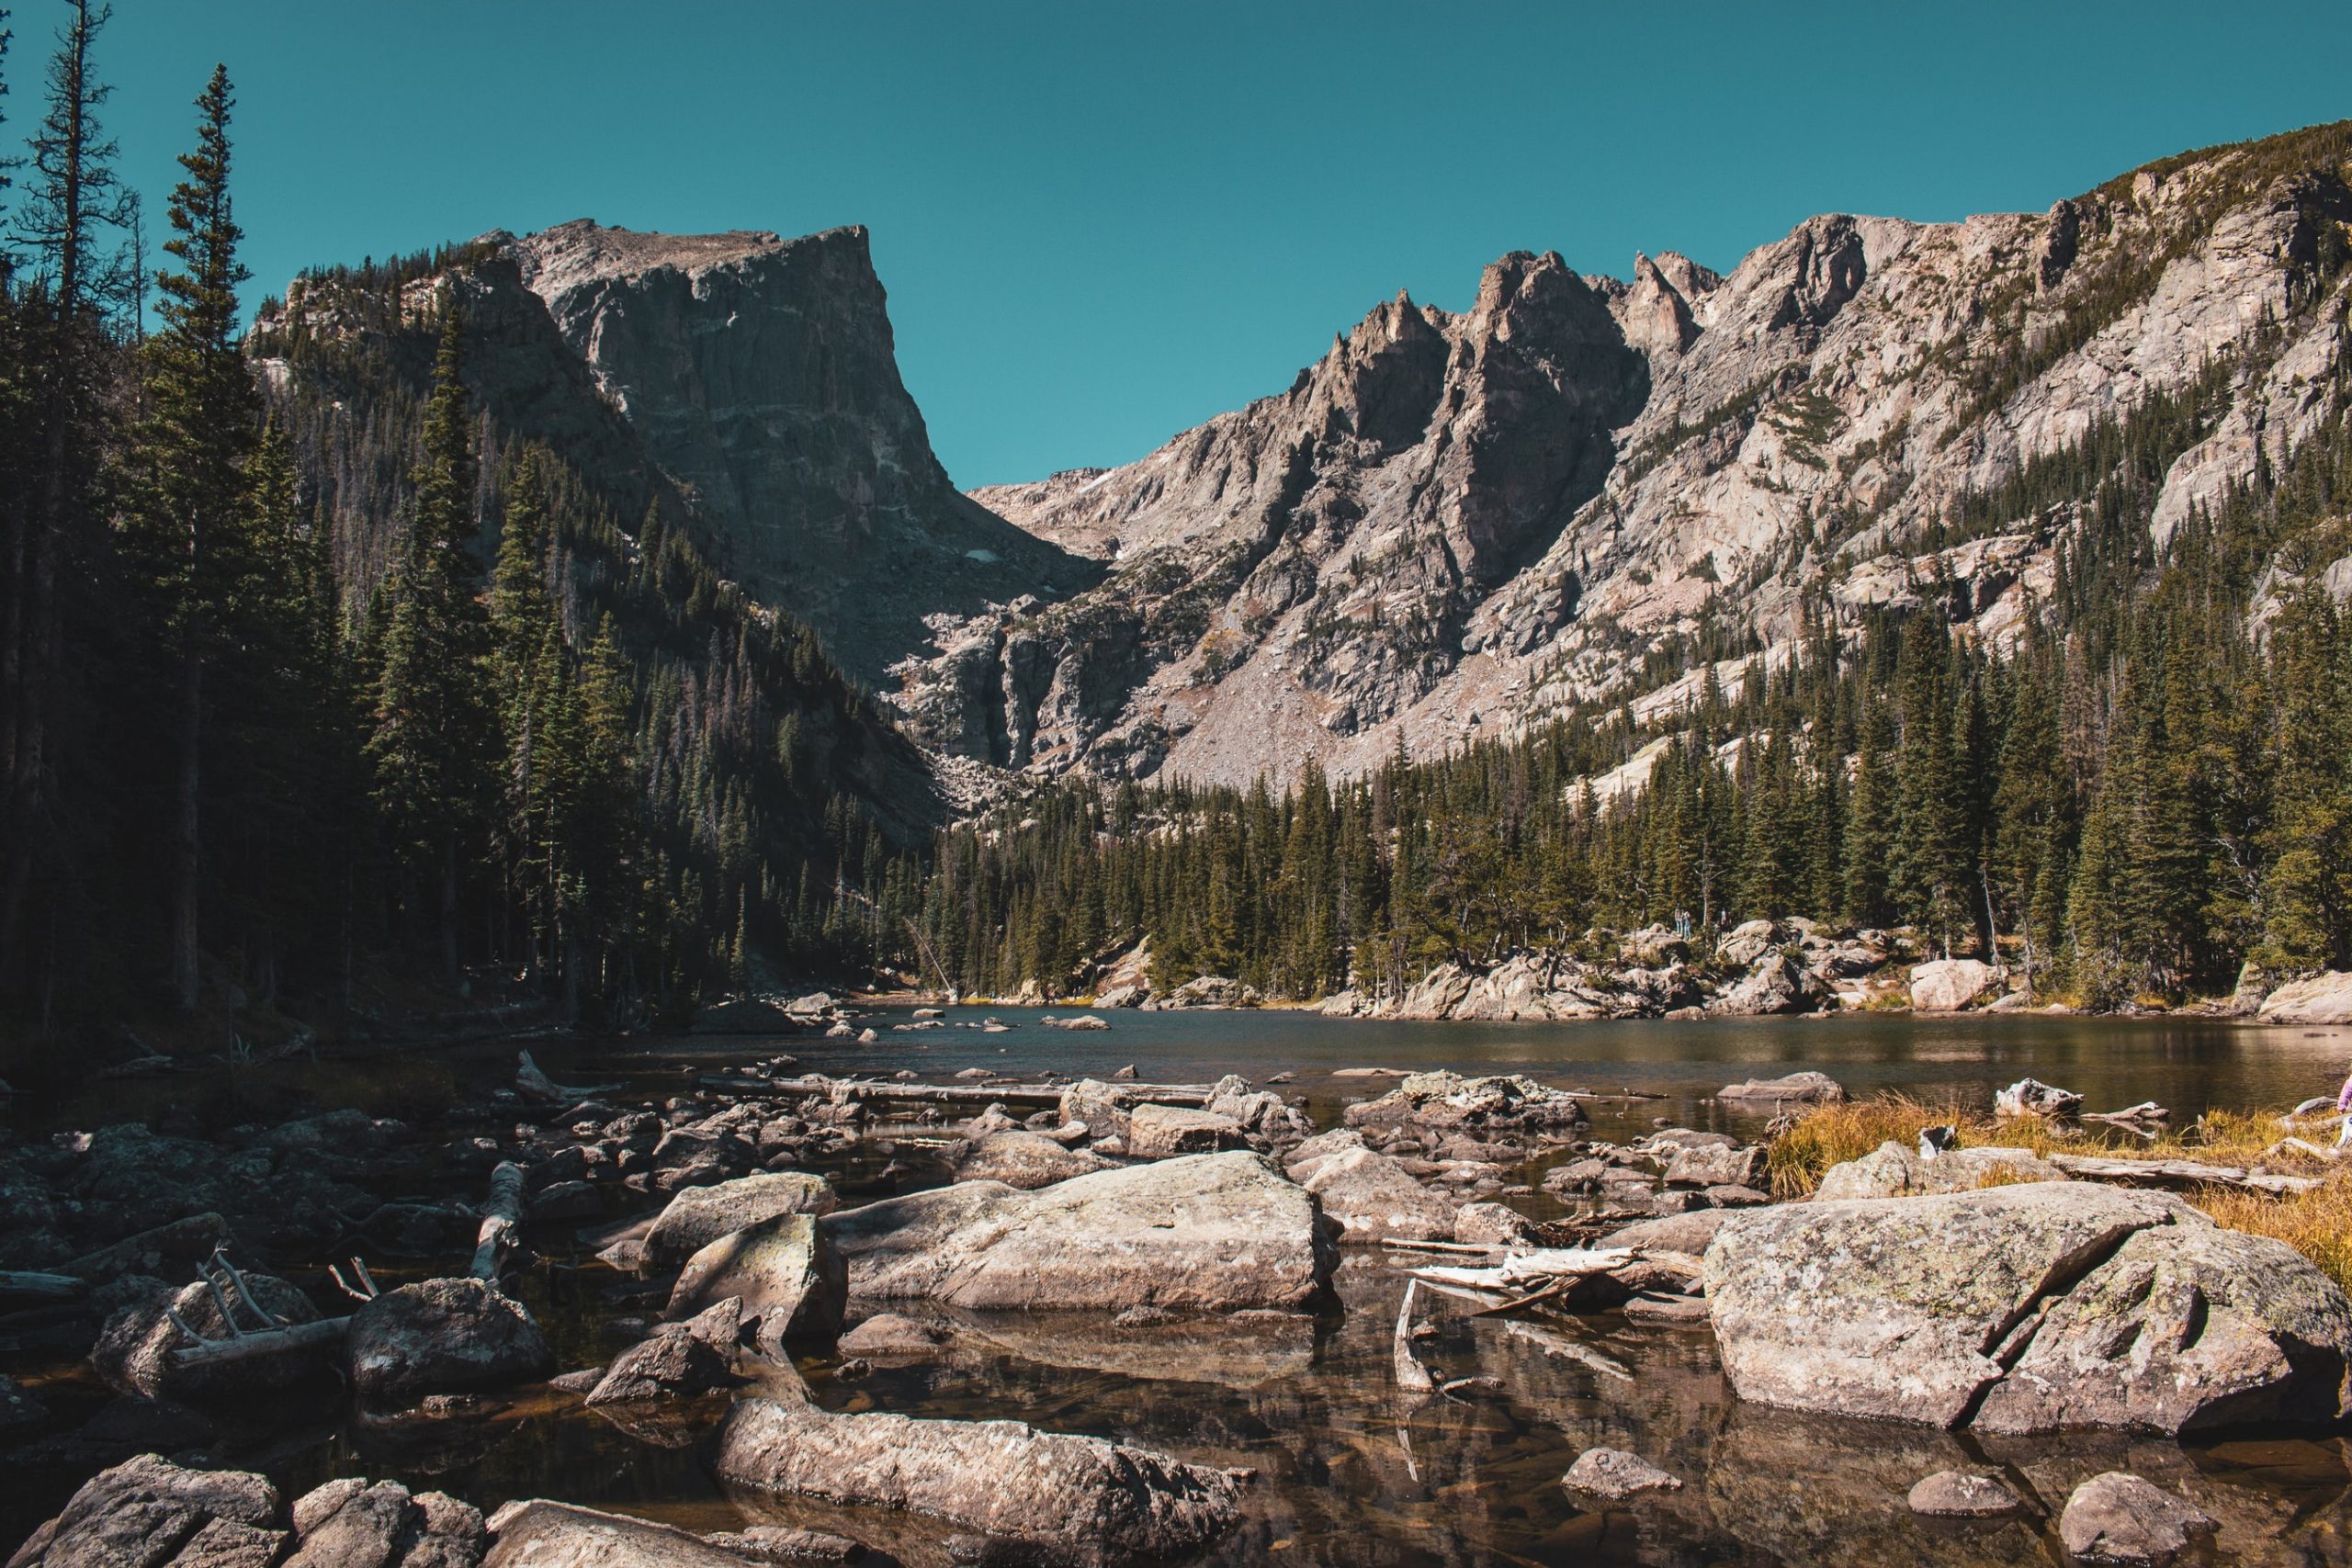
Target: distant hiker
[[2344, 1105]]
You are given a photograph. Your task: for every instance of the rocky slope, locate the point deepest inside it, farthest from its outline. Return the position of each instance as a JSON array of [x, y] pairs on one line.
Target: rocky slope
[[1455, 525], [748, 382]]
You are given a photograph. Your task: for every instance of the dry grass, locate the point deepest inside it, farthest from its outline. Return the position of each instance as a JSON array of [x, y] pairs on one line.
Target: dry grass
[[2317, 1223]]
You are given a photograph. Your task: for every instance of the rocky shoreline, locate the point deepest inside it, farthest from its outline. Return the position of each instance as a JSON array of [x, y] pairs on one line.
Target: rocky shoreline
[[769, 1242]]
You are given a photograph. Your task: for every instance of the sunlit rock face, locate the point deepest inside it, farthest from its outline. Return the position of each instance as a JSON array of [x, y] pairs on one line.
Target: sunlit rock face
[[1455, 525]]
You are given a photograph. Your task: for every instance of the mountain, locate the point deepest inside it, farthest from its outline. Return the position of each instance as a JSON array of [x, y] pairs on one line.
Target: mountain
[[1457, 525], [747, 382]]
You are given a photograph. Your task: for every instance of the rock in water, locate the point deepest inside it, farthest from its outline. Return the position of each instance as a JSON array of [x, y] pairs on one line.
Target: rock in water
[[2031, 1096], [886, 1334], [700, 1215], [442, 1336], [1612, 1476], [1210, 1232], [682, 1358], [145, 1511], [786, 1272], [1077, 1498], [1448, 1103], [2118, 1518], [2114, 1307], [1962, 1494], [1796, 1088], [540, 1534], [1163, 1132]]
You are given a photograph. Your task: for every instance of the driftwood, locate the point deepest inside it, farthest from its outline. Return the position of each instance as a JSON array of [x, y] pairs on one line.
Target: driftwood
[[500, 1213], [1537, 1270], [29, 1285], [1041, 1095], [1411, 1376], [533, 1084], [270, 1335], [2178, 1173], [1557, 1344]]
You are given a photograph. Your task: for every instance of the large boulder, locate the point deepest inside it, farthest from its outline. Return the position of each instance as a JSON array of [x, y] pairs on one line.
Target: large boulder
[[134, 1351], [1070, 1498], [147, 1510], [2113, 1307], [1375, 1198], [1775, 983], [785, 1271], [1715, 1166], [350, 1524], [2322, 998], [677, 1359], [1948, 985], [1206, 1232], [1026, 1160], [700, 1215], [442, 1336], [1894, 1171], [1101, 1107]]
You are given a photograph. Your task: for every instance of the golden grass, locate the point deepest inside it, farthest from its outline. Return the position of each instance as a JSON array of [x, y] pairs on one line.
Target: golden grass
[[2317, 1223]]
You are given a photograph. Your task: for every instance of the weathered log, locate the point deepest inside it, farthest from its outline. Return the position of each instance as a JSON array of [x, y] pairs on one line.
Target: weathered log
[[500, 1213], [19, 1284], [262, 1342], [2177, 1173], [954, 1094], [534, 1084]]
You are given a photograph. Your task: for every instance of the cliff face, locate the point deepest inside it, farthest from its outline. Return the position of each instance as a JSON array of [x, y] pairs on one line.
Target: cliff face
[[751, 384], [1459, 526]]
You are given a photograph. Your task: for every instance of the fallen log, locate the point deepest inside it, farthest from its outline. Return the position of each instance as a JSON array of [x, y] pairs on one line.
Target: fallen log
[[956, 1094], [534, 1084], [1539, 1268], [262, 1342], [500, 1213], [22, 1284], [2177, 1173]]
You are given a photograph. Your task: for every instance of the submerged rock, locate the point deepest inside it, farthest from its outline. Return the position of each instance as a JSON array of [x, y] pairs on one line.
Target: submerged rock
[[2118, 1518], [1083, 1499], [539, 1534], [1612, 1476], [2114, 1307], [441, 1336], [1962, 1494], [1796, 1088], [1204, 1232]]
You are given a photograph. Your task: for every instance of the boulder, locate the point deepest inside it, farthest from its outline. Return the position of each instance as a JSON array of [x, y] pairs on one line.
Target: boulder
[[1026, 1160], [788, 1275], [2031, 1096], [1493, 1225], [1069, 1497], [1122, 996], [442, 1336], [1948, 985], [677, 1359], [540, 1534], [350, 1524], [2028, 1308], [1745, 943], [1612, 1476], [1212, 991], [1962, 1494], [1164, 1131], [1103, 1107], [146, 1511], [2322, 998], [1894, 1171], [1796, 1088], [1206, 1232], [701, 1215], [134, 1351], [2118, 1518], [1776, 983], [1689, 1234], [1373, 1197], [1716, 1167]]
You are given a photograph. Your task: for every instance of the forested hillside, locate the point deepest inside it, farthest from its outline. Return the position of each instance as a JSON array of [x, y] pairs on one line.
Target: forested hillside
[[2149, 785], [260, 770]]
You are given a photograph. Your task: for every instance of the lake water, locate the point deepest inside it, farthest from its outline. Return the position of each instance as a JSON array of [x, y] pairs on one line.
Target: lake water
[[1348, 1471]]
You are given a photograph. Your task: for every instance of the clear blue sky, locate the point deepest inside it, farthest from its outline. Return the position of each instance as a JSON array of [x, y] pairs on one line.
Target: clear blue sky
[[1101, 223]]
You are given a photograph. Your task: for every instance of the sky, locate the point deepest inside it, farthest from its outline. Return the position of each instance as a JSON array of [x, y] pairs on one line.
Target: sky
[[1102, 223]]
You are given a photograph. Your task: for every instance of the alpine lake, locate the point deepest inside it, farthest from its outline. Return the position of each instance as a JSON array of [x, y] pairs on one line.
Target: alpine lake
[[1345, 1471]]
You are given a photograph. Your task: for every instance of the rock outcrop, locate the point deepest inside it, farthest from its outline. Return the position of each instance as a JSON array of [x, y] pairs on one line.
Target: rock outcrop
[[2321, 998], [2024, 1309]]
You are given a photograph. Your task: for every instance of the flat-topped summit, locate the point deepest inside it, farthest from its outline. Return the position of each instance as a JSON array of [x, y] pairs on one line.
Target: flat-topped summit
[[584, 250]]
